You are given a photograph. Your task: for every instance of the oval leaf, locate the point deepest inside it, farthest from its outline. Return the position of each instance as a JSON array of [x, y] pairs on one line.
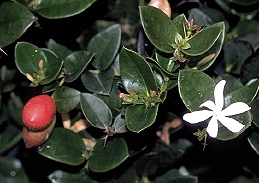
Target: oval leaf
[[64, 146], [159, 28], [100, 82], [53, 67], [75, 64], [253, 140], [204, 40], [105, 158], [195, 87], [95, 111], [106, 45], [139, 117], [136, 74], [27, 57], [66, 99], [15, 19], [60, 9]]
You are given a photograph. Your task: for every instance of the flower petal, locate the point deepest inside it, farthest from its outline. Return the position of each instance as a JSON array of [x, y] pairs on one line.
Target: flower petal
[[209, 104], [212, 128], [218, 95], [235, 108], [231, 124], [197, 116]]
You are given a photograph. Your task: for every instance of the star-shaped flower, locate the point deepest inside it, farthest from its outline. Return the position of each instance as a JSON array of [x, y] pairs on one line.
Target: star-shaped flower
[[217, 114]]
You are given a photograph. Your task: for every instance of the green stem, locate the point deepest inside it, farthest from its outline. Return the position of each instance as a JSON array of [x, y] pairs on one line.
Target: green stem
[[14, 141], [145, 179]]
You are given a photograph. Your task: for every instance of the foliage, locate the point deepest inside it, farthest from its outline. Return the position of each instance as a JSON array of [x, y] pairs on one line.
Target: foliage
[[120, 93]]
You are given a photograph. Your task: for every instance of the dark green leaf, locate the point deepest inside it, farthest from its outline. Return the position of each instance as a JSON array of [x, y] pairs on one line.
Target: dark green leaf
[[98, 82], [119, 124], [254, 104], [245, 94], [60, 9], [195, 87], [53, 67], [108, 156], [66, 99], [95, 111], [244, 118], [136, 74], [244, 2], [113, 100], [205, 16], [204, 40], [75, 64], [159, 28], [232, 83], [253, 140], [11, 171], [15, 19], [139, 117], [176, 176], [203, 61], [60, 50], [106, 45], [27, 57], [236, 51], [64, 146], [64, 177], [129, 176], [249, 69]]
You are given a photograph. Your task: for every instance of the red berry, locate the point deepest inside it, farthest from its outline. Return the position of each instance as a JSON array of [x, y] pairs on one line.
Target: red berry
[[38, 112]]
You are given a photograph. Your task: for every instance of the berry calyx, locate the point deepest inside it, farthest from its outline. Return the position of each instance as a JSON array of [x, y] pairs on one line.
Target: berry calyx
[[39, 112]]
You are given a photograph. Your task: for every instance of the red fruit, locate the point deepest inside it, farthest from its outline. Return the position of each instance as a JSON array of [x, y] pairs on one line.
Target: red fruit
[[38, 112]]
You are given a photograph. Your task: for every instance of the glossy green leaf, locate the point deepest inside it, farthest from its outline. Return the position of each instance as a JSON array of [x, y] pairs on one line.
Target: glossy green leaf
[[139, 117], [98, 82], [249, 69], [11, 171], [236, 51], [64, 146], [75, 64], [159, 28], [204, 40], [113, 100], [254, 104], [195, 87], [205, 16], [60, 50], [53, 67], [244, 2], [95, 111], [15, 19], [136, 74], [60, 9], [232, 83], [119, 124], [66, 98], [109, 156], [59, 176], [27, 57], [253, 140], [106, 45], [245, 94], [129, 176], [205, 60], [244, 118]]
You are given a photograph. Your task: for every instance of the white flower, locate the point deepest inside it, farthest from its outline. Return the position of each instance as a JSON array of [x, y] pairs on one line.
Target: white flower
[[217, 113]]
